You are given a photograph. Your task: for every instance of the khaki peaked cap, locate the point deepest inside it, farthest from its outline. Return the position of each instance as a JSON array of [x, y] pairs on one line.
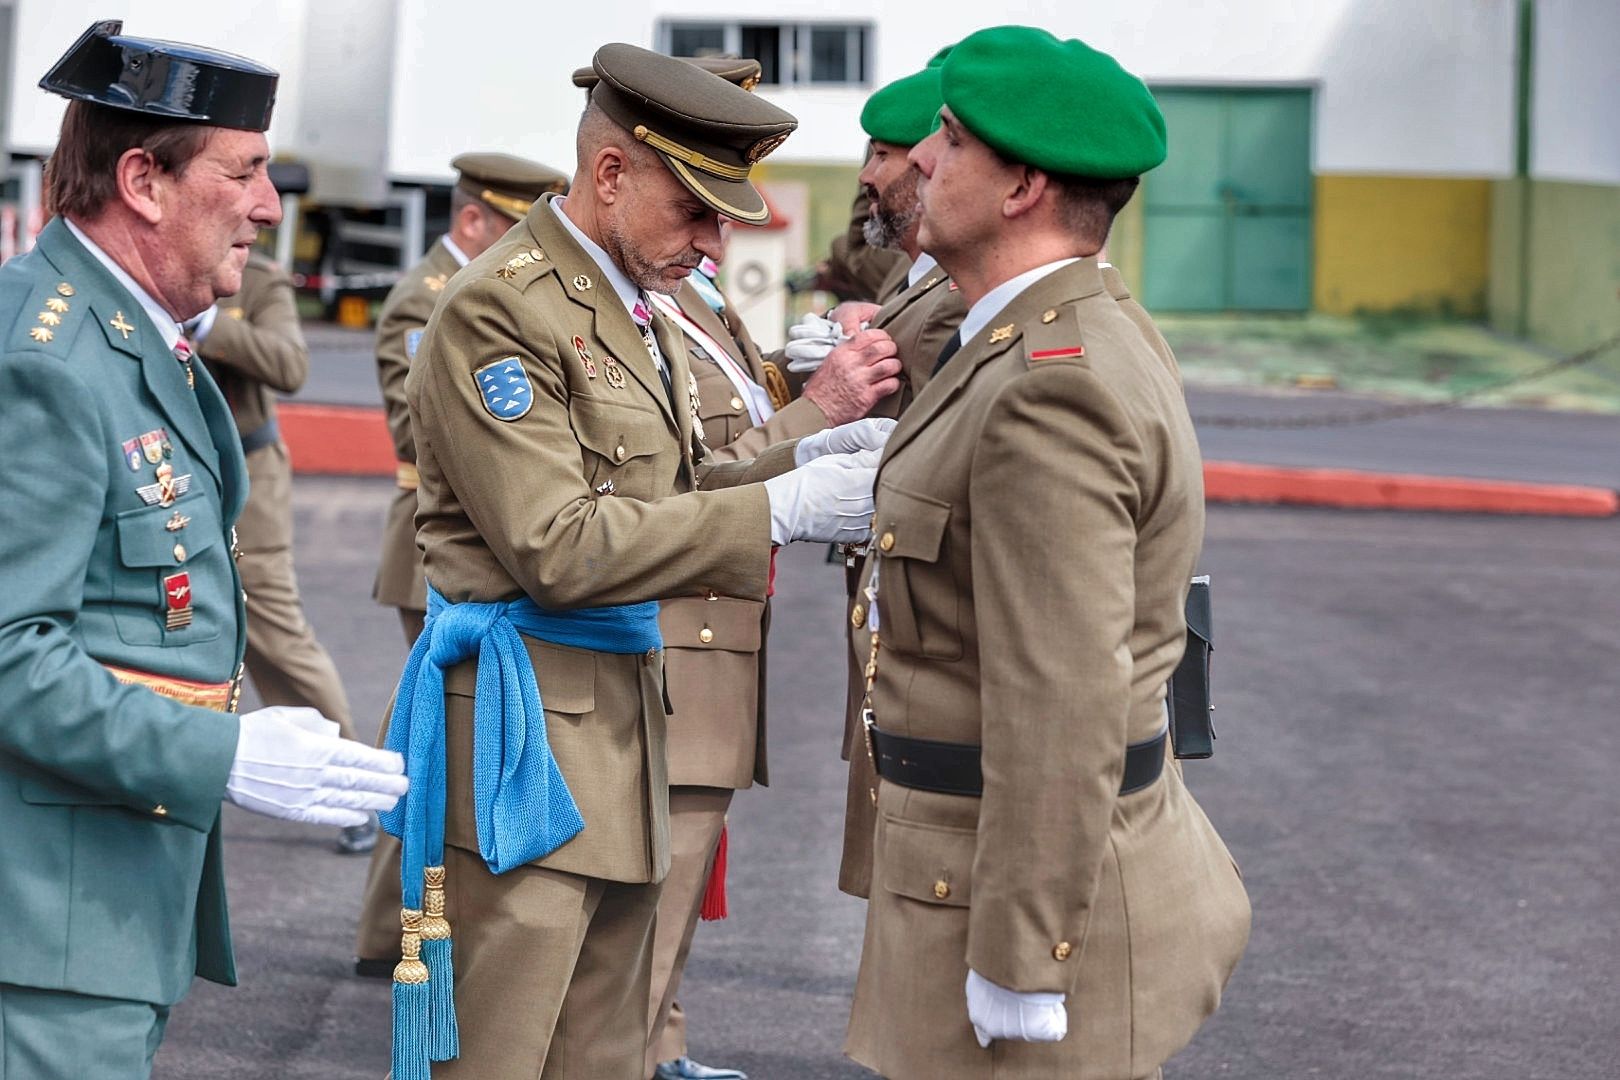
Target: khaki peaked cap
[[710, 132], [506, 183], [741, 70]]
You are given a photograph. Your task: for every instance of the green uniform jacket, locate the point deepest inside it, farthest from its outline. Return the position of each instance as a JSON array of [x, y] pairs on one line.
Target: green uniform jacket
[[109, 794]]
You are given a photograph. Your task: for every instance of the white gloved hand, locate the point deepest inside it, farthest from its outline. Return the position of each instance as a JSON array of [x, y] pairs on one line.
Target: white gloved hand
[[828, 500], [868, 434], [290, 764], [810, 340], [999, 1013]]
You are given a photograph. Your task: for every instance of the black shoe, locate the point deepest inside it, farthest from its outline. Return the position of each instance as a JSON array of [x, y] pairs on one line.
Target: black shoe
[[684, 1068], [357, 839]]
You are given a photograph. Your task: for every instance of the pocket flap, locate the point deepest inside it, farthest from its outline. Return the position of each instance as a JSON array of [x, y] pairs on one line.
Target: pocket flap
[[145, 539], [931, 863], [910, 526], [567, 677], [604, 426], [727, 622], [44, 790]]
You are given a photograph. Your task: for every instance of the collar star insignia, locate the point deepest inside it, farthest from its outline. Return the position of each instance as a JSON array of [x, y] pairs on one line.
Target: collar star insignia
[[118, 323], [1001, 333], [56, 304], [40, 334], [50, 318]]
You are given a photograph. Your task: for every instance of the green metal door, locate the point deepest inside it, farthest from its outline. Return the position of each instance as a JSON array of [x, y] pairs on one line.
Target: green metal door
[[1227, 217]]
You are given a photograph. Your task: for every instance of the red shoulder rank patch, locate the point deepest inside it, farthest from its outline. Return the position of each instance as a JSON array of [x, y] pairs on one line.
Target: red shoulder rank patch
[[1058, 354]]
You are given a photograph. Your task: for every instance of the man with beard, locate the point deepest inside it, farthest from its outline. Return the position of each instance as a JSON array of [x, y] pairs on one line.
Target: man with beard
[[564, 490], [1048, 899], [122, 623]]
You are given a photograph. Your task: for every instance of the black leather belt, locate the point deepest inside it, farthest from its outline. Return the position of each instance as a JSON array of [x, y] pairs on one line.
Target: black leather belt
[[261, 437], [953, 768]]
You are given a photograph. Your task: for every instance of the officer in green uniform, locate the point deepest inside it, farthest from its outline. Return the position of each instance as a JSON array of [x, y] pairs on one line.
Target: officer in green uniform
[[121, 623]]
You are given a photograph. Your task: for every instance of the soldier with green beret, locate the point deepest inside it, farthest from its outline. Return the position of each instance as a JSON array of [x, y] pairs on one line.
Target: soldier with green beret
[[492, 192], [1048, 899], [121, 625], [565, 489]]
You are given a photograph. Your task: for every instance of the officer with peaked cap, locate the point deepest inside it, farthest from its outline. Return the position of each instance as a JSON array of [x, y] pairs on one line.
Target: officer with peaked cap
[[715, 646], [564, 490], [1048, 899], [121, 624], [492, 191]]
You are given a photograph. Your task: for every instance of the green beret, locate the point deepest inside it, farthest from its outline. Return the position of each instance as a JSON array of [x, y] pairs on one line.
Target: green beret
[[904, 111], [1058, 105]]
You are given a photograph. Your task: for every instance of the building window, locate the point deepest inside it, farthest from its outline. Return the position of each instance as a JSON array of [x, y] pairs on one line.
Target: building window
[[789, 54]]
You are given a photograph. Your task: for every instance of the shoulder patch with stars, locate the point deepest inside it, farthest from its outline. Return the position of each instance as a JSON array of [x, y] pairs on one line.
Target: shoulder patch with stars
[[55, 304], [504, 387], [1055, 335], [517, 264]]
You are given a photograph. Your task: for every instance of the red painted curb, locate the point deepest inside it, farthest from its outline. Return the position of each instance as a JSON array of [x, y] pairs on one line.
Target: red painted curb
[[1229, 482], [337, 440], [341, 440]]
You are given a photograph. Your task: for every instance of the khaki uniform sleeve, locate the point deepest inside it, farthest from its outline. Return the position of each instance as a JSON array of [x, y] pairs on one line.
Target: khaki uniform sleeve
[[1055, 499], [800, 418], [265, 344], [404, 311], [523, 483]]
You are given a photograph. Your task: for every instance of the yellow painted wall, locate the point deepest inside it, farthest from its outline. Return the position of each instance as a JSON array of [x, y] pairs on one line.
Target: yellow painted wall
[[1387, 243]]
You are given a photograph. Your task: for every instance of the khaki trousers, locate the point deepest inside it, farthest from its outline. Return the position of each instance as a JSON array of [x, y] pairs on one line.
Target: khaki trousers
[[552, 973], [377, 937], [287, 664], [696, 816]]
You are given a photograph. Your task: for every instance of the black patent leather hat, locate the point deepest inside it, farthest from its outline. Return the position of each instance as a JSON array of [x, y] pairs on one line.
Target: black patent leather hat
[[164, 79]]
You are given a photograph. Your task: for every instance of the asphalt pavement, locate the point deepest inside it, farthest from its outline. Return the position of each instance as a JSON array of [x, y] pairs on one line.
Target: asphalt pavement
[[1413, 771]]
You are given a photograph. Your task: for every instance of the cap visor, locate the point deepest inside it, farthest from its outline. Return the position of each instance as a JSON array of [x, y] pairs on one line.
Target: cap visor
[[737, 199]]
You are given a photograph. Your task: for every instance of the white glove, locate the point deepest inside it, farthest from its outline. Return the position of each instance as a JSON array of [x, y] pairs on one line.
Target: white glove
[[290, 764], [999, 1013], [810, 340], [828, 501], [868, 434]]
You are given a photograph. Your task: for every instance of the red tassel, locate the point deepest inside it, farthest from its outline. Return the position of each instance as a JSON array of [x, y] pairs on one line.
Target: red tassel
[[714, 893]]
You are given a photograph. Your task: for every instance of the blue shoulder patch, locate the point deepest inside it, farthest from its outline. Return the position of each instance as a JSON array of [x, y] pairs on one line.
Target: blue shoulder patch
[[505, 388], [413, 338]]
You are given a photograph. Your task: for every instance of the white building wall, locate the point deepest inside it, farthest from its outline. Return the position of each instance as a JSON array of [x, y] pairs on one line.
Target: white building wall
[[269, 31], [1575, 110]]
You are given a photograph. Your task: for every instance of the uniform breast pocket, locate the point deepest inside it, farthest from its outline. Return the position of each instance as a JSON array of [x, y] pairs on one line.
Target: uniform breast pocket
[[918, 598], [172, 582], [621, 443]]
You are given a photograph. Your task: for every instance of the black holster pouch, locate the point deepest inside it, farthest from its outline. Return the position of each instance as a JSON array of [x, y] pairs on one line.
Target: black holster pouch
[[1192, 714]]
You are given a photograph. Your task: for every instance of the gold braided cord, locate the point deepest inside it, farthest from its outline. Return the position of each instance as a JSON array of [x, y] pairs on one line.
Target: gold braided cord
[[516, 207], [410, 969], [435, 927], [691, 157], [752, 217]]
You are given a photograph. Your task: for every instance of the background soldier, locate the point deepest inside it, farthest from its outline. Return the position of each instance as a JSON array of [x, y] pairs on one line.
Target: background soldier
[[492, 191], [553, 409], [121, 624], [1039, 513], [254, 348]]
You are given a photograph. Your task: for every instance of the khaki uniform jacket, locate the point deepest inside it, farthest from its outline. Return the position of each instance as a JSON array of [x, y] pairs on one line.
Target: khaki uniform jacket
[[1039, 512], [585, 497], [716, 644], [256, 348], [404, 315]]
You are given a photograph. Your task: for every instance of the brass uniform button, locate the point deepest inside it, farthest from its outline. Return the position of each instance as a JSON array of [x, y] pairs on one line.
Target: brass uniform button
[[705, 635], [711, 595], [942, 889], [1050, 316], [179, 553], [618, 452], [736, 403], [160, 810], [886, 542], [1062, 950], [857, 616], [651, 657]]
